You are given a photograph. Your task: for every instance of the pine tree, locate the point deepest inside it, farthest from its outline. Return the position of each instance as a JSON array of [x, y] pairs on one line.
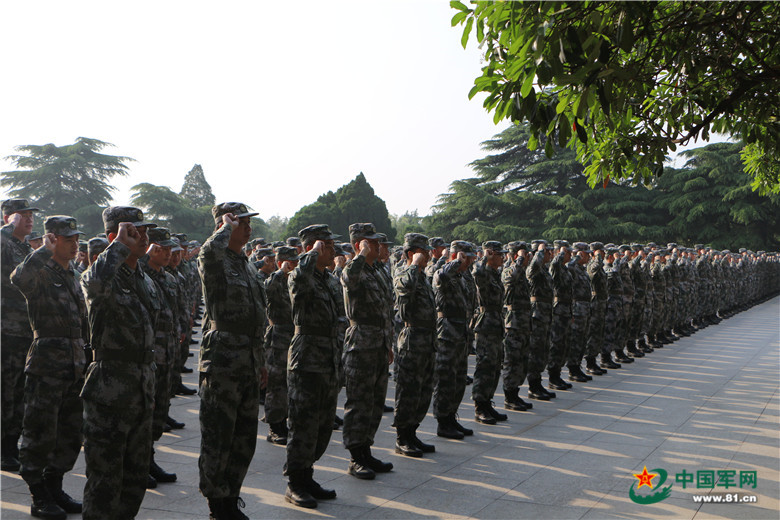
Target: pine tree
[[196, 190]]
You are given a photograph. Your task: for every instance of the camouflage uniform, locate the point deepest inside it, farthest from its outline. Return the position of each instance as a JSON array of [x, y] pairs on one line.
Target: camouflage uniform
[[51, 437], [118, 393], [517, 320], [614, 319], [560, 325], [598, 304], [541, 291], [231, 361], [581, 310]]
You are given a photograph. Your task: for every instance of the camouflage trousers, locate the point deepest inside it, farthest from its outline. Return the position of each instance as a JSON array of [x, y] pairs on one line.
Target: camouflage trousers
[[613, 325], [13, 353], [365, 372], [624, 334], [598, 310], [162, 399], [117, 449], [637, 314], [580, 328], [414, 375], [229, 404], [515, 369], [276, 388], [312, 408], [539, 350], [560, 329], [51, 433], [449, 367], [488, 368]]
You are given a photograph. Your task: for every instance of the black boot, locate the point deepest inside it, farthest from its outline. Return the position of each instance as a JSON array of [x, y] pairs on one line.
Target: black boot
[[498, 416], [297, 492], [423, 447], [315, 489], [217, 509], [43, 504], [54, 484], [606, 361], [448, 430], [9, 454], [591, 367], [159, 474], [576, 374], [173, 423], [232, 505], [536, 391], [374, 463], [633, 351], [644, 345], [482, 414], [151, 483], [512, 401], [622, 357], [554, 379], [358, 465], [462, 429], [277, 433], [405, 445]]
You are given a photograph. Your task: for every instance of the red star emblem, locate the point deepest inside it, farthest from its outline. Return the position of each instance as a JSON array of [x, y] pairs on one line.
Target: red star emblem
[[645, 478]]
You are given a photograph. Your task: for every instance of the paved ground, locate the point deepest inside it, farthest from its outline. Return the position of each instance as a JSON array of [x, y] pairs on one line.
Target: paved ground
[[707, 402]]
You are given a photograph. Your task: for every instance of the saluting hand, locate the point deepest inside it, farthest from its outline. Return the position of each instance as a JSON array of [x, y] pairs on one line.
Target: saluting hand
[[418, 259], [15, 219], [365, 247], [286, 267], [128, 235], [229, 219], [461, 257], [49, 241]]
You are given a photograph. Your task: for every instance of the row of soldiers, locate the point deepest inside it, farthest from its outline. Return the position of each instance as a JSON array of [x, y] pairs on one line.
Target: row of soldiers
[[309, 317]]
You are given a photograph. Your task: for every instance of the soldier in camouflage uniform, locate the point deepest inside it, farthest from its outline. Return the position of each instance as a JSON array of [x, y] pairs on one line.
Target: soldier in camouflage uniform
[[279, 335], [81, 259], [635, 343], [580, 310], [489, 328], [51, 434], [35, 239], [95, 246], [416, 345], [165, 336], [560, 325], [438, 256], [541, 291], [517, 323], [453, 308], [312, 365], [118, 393], [232, 362], [614, 318], [622, 336], [14, 328], [367, 349], [183, 318], [598, 308]]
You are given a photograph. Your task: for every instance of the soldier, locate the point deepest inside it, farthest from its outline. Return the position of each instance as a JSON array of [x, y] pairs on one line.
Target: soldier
[[438, 256], [296, 243], [416, 346], [264, 263], [95, 246], [580, 311], [14, 328], [82, 262], [184, 317], [541, 291], [367, 349], [232, 362], [312, 365], [35, 239], [613, 320], [279, 335], [51, 435], [561, 314], [598, 308], [118, 393], [165, 337], [489, 328], [453, 306], [517, 322]]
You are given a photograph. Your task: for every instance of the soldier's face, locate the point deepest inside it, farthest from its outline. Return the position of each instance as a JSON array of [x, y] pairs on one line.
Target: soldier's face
[[438, 251], [26, 224], [143, 241], [66, 248], [244, 229], [35, 243], [494, 260], [160, 255], [175, 259], [81, 257]]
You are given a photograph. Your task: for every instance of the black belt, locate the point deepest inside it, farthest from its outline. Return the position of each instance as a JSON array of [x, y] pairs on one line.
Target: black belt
[[237, 328], [371, 322], [421, 324], [62, 332], [308, 330], [144, 358]]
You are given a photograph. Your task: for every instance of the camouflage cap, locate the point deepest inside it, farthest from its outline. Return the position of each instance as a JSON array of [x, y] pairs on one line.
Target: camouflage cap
[[461, 246], [11, 206], [339, 248], [161, 236], [62, 225], [34, 235], [611, 249], [82, 246], [181, 236], [698, 246], [624, 247], [610, 245], [362, 231], [384, 240], [115, 215], [238, 209], [535, 243], [262, 253], [637, 247], [294, 242], [259, 241], [311, 234], [561, 243], [437, 242], [416, 241], [96, 245], [742, 250], [663, 251], [284, 253], [276, 243], [596, 246], [347, 248], [247, 247], [652, 244], [671, 245], [581, 246], [494, 245], [518, 245], [726, 252], [177, 245]]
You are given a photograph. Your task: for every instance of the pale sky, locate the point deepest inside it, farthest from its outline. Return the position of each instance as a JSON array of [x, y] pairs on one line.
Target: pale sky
[[278, 101]]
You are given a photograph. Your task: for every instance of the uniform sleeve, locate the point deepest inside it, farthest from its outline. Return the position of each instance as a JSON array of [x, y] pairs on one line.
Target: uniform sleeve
[[26, 274], [350, 276], [96, 280]]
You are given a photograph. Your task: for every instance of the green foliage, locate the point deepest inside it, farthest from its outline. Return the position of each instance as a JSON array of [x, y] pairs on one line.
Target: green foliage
[[277, 228], [353, 202], [196, 188], [69, 180], [625, 83], [409, 222]]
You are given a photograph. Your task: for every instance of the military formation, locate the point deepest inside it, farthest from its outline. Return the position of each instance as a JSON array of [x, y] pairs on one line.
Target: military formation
[[96, 335]]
